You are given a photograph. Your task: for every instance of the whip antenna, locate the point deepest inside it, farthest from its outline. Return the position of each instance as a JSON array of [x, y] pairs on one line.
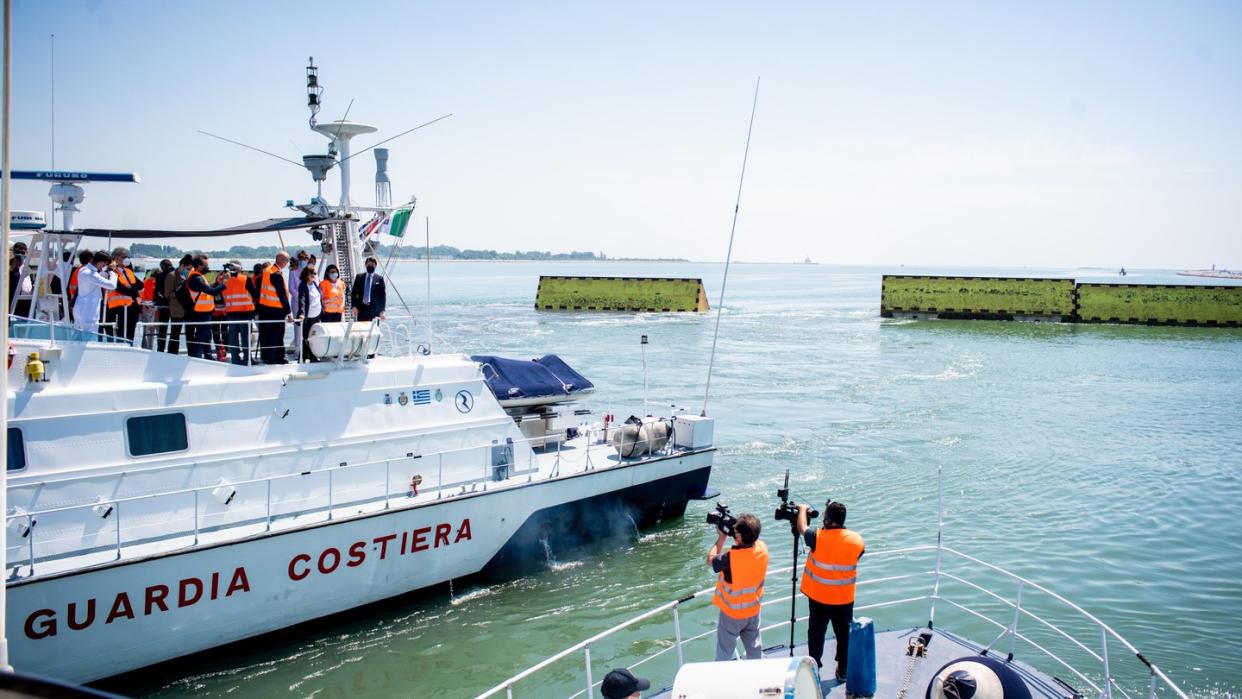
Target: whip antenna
[[729, 255]]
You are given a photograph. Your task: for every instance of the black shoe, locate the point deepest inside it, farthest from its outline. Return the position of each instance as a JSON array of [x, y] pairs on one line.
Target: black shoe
[[840, 677]]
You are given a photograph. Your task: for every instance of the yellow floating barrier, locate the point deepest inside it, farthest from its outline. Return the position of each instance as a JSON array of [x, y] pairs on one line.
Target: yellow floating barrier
[[1002, 298], [621, 294], [1152, 304]]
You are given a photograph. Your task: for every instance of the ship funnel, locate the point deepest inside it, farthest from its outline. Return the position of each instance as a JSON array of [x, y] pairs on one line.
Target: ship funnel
[[383, 187]]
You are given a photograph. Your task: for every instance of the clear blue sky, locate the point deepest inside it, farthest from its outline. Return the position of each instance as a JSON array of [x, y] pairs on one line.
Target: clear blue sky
[[1051, 133]]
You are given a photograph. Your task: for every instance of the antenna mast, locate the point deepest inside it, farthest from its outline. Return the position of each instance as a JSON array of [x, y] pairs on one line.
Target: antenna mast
[[313, 90], [729, 256]]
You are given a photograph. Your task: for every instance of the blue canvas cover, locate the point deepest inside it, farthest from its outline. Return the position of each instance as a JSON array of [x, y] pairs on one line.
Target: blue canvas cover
[[521, 378], [562, 371]]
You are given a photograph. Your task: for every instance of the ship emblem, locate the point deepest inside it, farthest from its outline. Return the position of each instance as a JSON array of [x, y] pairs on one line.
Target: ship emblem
[[439, 395], [387, 399], [464, 402], [403, 399]]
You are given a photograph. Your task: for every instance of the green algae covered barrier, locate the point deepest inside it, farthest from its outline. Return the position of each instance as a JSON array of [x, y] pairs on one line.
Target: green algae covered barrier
[[1183, 304], [620, 294], [977, 297], [1064, 300]]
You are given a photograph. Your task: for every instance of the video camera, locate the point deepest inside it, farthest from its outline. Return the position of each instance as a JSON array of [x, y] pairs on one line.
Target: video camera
[[722, 519], [788, 510]]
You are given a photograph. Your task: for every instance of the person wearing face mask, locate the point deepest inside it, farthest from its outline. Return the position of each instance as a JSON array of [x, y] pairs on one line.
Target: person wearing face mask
[[176, 311], [369, 295], [122, 301], [203, 297], [273, 306], [16, 283], [92, 280], [310, 309], [299, 263], [332, 288]]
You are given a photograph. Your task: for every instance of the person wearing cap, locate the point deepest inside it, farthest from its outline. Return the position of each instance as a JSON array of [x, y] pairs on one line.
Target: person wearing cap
[[622, 684], [828, 581], [740, 573]]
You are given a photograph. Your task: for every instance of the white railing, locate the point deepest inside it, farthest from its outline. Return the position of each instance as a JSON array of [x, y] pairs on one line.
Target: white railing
[[25, 524], [1100, 632]]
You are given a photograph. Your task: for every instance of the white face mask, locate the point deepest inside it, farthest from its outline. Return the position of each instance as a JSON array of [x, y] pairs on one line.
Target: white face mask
[[333, 276]]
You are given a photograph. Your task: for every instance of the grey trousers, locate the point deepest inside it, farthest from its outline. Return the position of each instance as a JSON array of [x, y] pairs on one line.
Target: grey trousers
[[728, 630]]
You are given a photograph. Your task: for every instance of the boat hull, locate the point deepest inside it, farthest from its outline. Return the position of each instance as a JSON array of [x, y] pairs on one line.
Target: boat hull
[[103, 621]]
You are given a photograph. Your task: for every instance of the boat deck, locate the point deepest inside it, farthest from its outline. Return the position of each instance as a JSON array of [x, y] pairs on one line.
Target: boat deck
[[892, 664], [258, 512]]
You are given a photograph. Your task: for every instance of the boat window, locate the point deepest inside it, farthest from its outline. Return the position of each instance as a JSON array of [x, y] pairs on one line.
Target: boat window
[[17, 449], [156, 434]]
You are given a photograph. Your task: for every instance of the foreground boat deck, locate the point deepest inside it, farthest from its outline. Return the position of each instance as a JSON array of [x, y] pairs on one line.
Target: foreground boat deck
[[892, 663]]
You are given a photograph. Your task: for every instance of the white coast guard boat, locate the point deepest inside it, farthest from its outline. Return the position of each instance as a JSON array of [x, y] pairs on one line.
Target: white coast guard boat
[[160, 505]]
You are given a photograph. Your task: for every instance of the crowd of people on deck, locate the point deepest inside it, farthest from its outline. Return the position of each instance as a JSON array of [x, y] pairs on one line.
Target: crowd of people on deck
[[212, 312]]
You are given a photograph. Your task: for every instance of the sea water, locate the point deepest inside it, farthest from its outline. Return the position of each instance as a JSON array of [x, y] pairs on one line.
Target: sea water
[[1102, 462]]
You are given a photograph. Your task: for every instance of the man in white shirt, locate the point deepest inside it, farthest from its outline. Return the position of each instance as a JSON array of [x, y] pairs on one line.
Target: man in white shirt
[[92, 279]]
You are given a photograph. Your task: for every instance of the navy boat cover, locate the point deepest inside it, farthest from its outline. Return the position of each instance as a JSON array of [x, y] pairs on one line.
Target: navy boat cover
[[520, 378]]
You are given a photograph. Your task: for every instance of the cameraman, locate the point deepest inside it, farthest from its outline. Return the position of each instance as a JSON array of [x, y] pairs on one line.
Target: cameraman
[[739, 587], [828, 581]]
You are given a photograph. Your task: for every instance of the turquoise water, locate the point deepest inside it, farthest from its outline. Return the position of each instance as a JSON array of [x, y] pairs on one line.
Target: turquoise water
[[1100, 461]]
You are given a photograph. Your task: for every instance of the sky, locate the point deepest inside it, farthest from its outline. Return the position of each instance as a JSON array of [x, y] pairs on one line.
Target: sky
[[1057, 134]]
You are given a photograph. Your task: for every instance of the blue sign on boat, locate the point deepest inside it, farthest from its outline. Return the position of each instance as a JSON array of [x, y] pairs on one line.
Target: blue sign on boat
[[74, 176]]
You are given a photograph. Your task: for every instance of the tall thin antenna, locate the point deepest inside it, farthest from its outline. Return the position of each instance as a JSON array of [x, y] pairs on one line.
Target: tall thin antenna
[[51, 91], [427, 254], [52, 96], [5, 175], [729, 255]]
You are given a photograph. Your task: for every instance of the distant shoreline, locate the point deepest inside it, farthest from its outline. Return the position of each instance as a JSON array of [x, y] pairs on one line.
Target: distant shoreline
[[1211, 273]]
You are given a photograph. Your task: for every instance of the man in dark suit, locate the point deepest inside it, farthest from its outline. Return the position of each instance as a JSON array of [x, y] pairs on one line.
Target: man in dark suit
[[369, 296]]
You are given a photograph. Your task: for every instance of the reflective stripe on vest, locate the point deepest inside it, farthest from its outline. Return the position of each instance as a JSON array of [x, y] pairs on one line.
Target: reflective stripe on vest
[[124, 277], [743, 598], [332, 295], [236, 296], [267, 290], [203, 302], [830, 573]]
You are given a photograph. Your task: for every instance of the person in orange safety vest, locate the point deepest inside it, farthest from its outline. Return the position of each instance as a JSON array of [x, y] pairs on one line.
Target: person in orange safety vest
[[828, 581], [740, 572]]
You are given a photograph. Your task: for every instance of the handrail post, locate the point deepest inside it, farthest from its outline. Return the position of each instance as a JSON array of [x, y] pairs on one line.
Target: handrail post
[[440, 478], [1017, 614], [931, 614], [269, 504], [30, 524], [196, 518], [677, 633], [1108, 678], [590, 681], [387, 481], [329, 495], [1151, 689], [509, 691], [118, 531]]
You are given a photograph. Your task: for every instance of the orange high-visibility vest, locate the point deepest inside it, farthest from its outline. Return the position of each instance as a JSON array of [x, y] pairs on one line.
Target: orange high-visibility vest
[[148, 289], [333, 295], [126, 277], [742, 598], [832, 567], [73, 281], [203, 301], [267, 290], [236, 296]]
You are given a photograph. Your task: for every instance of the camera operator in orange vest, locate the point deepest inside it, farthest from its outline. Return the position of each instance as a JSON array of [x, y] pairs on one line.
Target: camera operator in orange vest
[[828, 581], [740, 572]]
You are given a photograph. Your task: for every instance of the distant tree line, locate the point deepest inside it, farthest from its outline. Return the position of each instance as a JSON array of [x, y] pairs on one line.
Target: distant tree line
[[438, 252]]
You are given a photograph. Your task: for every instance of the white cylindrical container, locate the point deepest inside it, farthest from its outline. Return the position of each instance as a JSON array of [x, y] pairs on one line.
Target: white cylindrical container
[[326, 338], [749, 679]]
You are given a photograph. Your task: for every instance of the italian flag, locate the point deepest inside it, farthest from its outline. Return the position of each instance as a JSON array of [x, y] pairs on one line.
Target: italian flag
[[394, 224]]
